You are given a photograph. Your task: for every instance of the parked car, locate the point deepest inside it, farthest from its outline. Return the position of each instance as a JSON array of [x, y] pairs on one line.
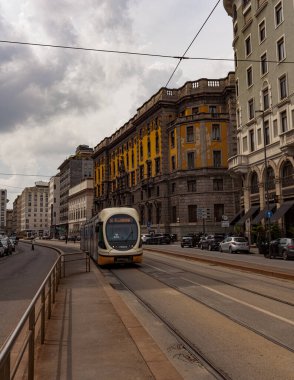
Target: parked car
[[12, 244], [233, 244], [7, 246], [2, 250], [190, 240], [282, 247], [211, 242], [145, 237]]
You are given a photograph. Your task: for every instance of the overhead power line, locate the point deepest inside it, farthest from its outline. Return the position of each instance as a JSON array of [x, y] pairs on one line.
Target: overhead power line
[[140, 54], [27, 175], [191, 43]]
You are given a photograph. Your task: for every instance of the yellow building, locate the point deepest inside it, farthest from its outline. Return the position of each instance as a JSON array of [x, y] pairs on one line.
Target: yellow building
[[170, 160]]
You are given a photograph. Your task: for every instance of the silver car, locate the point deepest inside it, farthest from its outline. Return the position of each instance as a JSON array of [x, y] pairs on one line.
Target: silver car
[[234, 244]]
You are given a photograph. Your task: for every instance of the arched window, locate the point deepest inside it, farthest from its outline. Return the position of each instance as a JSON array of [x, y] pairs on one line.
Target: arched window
[[287, 174], [270, 178], [254, 183]]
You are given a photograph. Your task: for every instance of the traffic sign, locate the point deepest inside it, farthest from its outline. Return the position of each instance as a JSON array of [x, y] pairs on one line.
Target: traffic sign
[[268, 214]]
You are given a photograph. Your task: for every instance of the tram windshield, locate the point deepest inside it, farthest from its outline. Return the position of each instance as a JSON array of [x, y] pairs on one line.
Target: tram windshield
[[121, 231]]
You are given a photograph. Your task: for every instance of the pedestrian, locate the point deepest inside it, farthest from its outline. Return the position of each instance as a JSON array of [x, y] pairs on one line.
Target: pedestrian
[[33, 244], [65, 239]]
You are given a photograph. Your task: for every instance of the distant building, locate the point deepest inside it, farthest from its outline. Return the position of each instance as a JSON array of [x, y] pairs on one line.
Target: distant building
[[3, 205], [80, 205], [54, 205], [73, 170], [16, 215], [9, 218], [34, 210]]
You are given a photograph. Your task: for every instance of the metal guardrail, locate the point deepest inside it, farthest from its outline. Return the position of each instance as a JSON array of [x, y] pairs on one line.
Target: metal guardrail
[[33, 324]]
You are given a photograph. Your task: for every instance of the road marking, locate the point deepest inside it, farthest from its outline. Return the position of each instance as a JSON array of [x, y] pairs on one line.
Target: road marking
[[242, 302], [232, 298]]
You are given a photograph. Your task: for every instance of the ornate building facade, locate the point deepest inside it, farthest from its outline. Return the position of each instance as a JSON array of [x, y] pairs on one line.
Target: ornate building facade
[[170, 160], [263, 45]]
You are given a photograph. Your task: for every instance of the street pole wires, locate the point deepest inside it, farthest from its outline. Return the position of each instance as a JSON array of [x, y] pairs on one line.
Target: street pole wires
[[191, 43]]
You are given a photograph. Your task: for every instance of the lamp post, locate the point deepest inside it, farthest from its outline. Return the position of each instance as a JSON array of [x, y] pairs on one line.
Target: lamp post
[[268, 211]]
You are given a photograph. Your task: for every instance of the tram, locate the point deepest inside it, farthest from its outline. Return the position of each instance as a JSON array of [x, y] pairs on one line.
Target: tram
[[113, 236]]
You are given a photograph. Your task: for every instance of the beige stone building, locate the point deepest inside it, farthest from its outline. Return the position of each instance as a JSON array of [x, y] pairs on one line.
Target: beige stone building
[[80, 205], [33, 204], [54, 205], [263, 45]]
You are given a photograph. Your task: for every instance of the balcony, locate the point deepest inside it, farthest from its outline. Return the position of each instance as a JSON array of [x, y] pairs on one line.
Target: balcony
[[287, 142], [238, 164]]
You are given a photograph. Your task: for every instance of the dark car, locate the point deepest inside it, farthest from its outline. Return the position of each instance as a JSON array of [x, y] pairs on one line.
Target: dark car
[[282, 247], [162, 238], [211, 242], [7, 246], [190, 240]]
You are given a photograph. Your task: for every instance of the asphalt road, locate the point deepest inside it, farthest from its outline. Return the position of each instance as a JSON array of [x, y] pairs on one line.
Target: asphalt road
[[241, 322], [21, 275]]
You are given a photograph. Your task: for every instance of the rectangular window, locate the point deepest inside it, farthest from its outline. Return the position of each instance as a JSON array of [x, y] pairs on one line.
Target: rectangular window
[[281, 49], [245, 144], [212, 110], [263, 64], [157, 165], [191, 185], [218, 212], [237, 87], [141, 172], [275, 127], [215, 132], [248, 47], [283, 87], [265, 98], [149, 169], [249, 77], [192, 213], [262, 33], [195, 110], [173, 163], [218, 184], [250, 109], [217, 158], [251, 140], [279, 13], [284, 122], [190, 133], [191, 160], [266, 132], [173, 189], [172, 139]]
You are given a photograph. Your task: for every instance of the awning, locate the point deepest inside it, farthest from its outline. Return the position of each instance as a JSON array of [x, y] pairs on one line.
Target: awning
[[282, 211], [236, 218], [261, 215], [248, 214]]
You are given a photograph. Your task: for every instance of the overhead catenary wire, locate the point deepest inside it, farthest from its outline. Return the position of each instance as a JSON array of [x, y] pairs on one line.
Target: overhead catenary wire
[[141, 54], [191, 43]]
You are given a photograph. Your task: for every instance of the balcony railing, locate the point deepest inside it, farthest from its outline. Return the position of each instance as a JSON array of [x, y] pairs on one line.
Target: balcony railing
[[287, 142], [238, 164]]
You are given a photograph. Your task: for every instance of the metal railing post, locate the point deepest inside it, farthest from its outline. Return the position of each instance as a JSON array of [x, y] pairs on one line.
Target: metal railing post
[[31, 353], [43, 315], [5, 368]]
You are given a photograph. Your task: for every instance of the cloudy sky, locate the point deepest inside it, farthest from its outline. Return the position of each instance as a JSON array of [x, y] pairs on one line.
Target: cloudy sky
[[53, 99]]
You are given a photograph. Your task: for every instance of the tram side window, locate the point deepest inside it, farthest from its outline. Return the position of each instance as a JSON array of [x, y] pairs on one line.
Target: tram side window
[[101, 242]]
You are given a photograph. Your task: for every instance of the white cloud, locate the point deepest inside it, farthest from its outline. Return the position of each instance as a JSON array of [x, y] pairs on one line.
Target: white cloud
[[52, 100]]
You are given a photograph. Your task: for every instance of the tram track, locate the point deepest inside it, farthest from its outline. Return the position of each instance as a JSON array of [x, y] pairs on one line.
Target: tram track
[[193, 351], [224, 314], [272, 298]]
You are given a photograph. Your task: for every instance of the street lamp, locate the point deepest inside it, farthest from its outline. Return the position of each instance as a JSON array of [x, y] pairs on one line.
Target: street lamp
[[268, 211]]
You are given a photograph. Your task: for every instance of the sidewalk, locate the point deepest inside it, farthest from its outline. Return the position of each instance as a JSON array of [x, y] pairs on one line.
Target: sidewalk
[[93, 335]]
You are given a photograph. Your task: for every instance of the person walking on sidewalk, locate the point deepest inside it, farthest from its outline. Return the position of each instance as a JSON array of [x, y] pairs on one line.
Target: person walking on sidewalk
[[33, 243]]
